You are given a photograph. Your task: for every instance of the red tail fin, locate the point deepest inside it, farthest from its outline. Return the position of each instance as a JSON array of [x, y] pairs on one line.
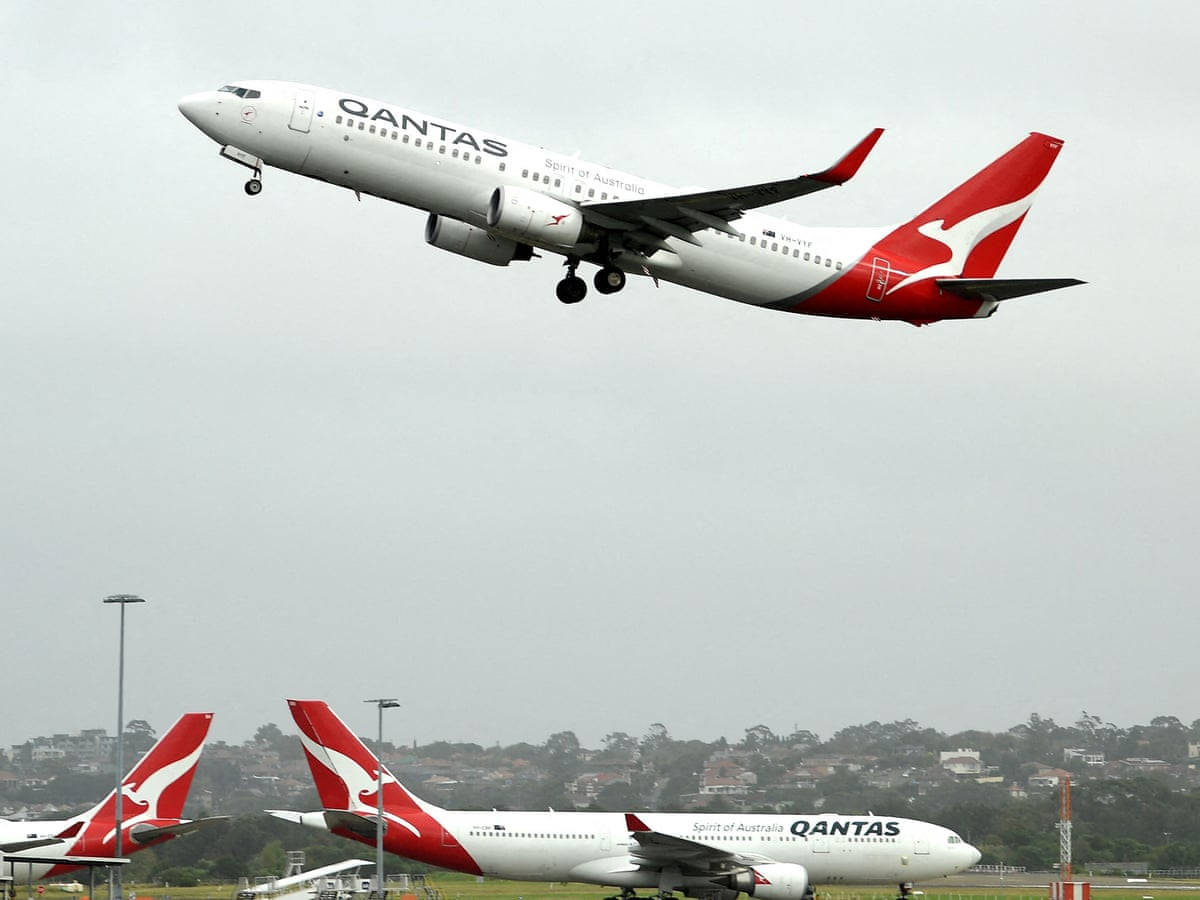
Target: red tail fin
[[157, 786], [343, 769], [968, 231]]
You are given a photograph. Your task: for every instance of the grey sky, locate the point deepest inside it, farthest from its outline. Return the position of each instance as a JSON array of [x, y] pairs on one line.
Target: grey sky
[[309, 439]]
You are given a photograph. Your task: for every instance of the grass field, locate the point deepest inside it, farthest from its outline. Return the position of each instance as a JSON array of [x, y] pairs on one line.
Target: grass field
[[466, 887]]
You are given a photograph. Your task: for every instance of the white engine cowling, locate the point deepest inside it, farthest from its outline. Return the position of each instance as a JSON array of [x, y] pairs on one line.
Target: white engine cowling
[[773, 881], [477, 243], [532, 216]]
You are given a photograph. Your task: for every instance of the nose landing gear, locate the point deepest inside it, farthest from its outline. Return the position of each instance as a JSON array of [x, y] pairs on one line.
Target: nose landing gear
[[253, 187]]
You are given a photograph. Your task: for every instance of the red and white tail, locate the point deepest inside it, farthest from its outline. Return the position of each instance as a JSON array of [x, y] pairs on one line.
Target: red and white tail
[[157, 786], [343, 769], [967, 232]]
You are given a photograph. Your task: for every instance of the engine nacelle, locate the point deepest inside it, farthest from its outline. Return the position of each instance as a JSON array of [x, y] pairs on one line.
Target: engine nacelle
[[773, 881], [528, 215], [477, 243]]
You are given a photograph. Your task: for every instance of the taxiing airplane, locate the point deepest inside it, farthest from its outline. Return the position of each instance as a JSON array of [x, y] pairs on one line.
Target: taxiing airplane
[[774, 857], [496, 200], [152, 799]]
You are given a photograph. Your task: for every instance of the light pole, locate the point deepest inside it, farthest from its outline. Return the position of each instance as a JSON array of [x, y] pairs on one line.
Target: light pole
[[383, 703], [114, 874]]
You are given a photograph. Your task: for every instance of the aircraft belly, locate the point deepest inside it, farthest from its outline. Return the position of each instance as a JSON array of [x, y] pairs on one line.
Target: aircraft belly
[[734, 277]]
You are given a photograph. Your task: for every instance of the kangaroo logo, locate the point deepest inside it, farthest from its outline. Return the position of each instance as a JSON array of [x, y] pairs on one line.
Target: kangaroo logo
[[960, 239], [557, 220]]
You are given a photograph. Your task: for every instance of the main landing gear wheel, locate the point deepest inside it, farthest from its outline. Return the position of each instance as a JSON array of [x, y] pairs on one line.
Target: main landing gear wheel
[[571, 289], [609, 280], [253, 187], [906, 889]]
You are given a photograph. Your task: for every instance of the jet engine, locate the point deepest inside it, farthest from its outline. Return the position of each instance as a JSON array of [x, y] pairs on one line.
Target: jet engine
[[529, 215], [477, 243], [772, 881]]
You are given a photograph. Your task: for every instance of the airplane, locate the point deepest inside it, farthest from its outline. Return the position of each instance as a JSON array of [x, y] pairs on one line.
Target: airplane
[[497, 201], [153, 795], [704, 855]]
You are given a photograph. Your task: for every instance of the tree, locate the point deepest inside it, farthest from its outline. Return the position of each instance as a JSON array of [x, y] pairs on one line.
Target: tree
[[139, 735]]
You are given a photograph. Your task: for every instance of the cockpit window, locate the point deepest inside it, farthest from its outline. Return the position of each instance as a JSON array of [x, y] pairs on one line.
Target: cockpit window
[[954, 839], [247, 93]]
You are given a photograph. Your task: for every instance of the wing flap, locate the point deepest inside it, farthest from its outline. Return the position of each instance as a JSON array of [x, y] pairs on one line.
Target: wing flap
[[996, 289]]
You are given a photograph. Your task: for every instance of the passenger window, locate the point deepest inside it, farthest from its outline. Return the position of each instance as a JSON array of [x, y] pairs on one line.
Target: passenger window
[[503, 166], [579, 188], [807, 256], [454, 153], [363, 125], [442, 149], [478, 160], [418, 142], [828, 262], [406, 137], [839, 267], [558, 182], [604, 195], [817, 259], [774, 246], [372, 129], [754, 242], [524, 173], [591, 192], [339, 120], [395, 134], [795, 253]]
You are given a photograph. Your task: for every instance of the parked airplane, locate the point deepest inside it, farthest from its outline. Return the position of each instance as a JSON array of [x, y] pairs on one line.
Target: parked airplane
[[496, 200], [153, 795], [774, 857]]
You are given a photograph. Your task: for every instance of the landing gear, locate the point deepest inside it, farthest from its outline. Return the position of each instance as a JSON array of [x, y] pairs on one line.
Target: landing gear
[[254, 187], [571, 289], [609, 280], [906, 888], [626, 894]]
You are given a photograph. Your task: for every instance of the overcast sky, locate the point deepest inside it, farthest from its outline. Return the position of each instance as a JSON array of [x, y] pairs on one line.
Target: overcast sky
[[341, 464]]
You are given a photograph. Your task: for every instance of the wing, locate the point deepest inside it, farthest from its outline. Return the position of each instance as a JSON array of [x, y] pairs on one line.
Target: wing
[[647, 222], [656, 850]]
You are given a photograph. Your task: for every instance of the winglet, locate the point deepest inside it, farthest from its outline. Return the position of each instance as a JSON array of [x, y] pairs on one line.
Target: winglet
[[633, 823], [843, 170]]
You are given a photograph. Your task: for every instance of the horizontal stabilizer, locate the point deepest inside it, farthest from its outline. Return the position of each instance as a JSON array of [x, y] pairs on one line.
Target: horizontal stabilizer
[[146, 835], [363, 826], [67, 860], [18, 846], [996, 289]]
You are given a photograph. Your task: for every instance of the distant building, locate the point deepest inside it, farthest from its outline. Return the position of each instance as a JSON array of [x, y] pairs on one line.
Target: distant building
[[1087, 757], [961, 761], [1047, 777]]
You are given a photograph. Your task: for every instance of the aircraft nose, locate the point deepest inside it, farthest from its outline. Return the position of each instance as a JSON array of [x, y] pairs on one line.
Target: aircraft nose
[[973, 856], [192, 106]]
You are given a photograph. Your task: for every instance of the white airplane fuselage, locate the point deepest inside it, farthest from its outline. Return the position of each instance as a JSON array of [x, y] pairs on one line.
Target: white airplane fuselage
[[595, 847], [453, 171]]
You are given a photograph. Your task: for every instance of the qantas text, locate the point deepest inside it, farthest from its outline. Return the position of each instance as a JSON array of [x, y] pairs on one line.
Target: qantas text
[[422, 126], [804, 828]]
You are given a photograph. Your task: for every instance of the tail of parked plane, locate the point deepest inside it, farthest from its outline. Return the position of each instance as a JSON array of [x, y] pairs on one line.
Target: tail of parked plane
[[343, 769], [347, 777], [966, 234], [157, 786], [153, 795]]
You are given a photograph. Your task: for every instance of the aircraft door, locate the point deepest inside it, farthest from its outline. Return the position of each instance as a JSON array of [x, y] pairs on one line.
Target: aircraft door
[[820, 843], [881, 271], [920, 845], [302, 111]]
